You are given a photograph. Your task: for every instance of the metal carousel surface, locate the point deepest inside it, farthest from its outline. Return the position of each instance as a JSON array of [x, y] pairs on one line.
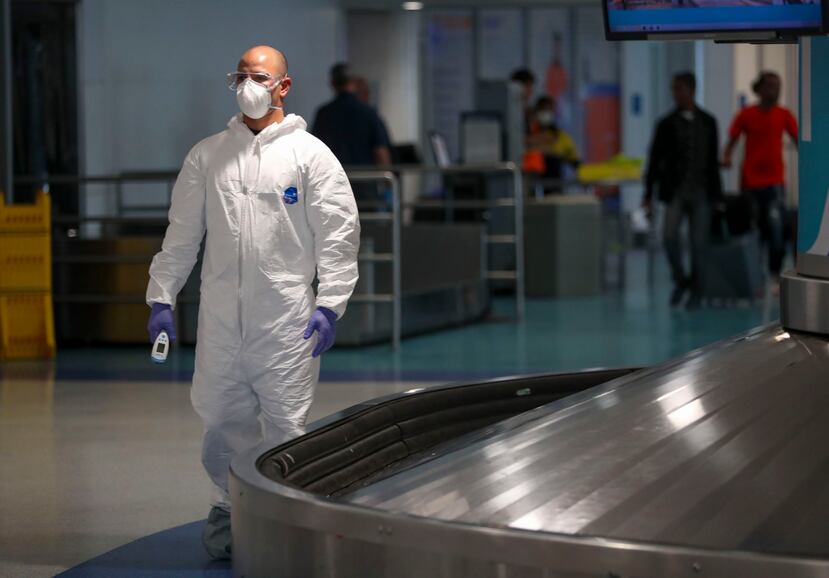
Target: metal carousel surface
[[714, 464]]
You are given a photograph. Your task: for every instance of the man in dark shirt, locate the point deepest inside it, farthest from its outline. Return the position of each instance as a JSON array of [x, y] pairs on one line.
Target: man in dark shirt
[[351, 129], [683, 171]]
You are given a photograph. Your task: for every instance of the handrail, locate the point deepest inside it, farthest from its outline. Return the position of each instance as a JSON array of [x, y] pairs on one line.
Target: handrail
[[362, 174], [138, 176], [516, 203], [396, 255]]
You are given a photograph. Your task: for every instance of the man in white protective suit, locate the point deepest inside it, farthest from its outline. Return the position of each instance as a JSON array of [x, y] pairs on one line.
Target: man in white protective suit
[[276, 208]]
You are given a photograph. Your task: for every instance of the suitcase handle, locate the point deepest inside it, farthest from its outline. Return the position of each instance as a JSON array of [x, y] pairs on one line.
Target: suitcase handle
[[719, 216]]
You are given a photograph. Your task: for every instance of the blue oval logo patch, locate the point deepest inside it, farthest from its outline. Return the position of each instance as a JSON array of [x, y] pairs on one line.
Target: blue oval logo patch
[[291, 196]]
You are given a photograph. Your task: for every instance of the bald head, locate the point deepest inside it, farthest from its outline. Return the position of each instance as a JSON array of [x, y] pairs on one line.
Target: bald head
[[270, 61], [264, 59]]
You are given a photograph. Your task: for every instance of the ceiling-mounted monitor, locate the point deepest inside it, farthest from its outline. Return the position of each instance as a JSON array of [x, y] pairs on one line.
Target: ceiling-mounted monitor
[[724, 20]]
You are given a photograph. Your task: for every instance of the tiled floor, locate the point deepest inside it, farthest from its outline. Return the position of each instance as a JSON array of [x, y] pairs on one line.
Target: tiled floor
[[88, 466], [101, 448]]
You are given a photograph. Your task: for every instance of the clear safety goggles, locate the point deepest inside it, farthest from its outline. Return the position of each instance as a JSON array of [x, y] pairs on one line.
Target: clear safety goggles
[[234, 79]]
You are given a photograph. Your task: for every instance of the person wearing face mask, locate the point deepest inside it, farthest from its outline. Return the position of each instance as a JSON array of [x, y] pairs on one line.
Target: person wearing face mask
[[550, 141], [275, 209]]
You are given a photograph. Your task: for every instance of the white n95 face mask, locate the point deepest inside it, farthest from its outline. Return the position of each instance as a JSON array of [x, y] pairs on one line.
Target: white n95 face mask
[[545, 118], [255, 99]]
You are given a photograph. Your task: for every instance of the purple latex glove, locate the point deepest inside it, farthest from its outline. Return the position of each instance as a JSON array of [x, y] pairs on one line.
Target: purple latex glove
[[161, 319], [324, 322]]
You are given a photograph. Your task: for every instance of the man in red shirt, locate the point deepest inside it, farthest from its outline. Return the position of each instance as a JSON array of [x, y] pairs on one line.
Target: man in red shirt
[[763, 172]]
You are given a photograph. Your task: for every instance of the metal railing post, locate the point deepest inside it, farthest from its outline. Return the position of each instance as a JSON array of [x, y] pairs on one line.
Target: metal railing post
[[449, 204], [518, 191], [396, 297], [397, 287]]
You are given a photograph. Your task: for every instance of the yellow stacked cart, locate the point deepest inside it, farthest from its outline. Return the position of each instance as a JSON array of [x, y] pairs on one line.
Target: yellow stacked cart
[[26, 318]]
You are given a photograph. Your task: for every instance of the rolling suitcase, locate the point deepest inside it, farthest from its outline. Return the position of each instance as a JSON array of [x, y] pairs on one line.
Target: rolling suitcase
[[732, 268], [736, 220]]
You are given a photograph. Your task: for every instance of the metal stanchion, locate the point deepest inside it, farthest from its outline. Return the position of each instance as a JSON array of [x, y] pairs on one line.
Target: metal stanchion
[[516, 203], [396, 297], [397, 286], [518, 191]]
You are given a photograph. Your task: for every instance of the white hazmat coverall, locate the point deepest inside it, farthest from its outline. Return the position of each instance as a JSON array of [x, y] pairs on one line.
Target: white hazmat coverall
[[276, 208]]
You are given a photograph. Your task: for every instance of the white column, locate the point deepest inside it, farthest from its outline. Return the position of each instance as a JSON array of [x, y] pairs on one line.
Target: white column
[[384, 47], [639, 112], [716, 73]]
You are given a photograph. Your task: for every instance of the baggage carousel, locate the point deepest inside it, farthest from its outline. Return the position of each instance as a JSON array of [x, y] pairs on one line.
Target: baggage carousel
[[715, 464]]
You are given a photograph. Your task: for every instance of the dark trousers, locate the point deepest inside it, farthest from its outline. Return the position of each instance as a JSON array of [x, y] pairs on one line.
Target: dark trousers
[[770, 212], [698, 214]]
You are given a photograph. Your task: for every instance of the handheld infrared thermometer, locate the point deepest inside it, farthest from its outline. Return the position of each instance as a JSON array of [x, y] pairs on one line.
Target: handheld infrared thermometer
[[160, 348]]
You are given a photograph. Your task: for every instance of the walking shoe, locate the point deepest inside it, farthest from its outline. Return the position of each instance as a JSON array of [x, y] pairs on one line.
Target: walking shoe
[[216, 535], [678, 294]]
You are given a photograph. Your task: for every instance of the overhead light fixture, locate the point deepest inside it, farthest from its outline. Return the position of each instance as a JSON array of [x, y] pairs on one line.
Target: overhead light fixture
[[412, 5]]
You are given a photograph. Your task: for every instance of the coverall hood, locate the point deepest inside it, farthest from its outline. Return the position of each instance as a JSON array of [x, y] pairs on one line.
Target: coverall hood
[[289, 124]]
